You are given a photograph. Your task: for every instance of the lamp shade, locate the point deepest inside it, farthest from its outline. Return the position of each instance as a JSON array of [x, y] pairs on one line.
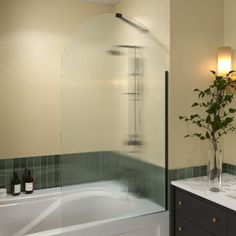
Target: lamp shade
[[224, 60]]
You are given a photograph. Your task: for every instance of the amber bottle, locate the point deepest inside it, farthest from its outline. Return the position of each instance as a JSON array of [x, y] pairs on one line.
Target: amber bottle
[[15, 185], [29, 183]]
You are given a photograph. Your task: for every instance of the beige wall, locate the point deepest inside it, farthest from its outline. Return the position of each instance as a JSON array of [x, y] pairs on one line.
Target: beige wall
[[230, 40], [196, 33], [154, 14], [110, 130], [33, 35], [32, 40]]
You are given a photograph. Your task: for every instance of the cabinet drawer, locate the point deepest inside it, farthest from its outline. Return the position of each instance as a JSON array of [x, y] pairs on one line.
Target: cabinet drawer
[[186, 228], [232, 225], [201, 213]]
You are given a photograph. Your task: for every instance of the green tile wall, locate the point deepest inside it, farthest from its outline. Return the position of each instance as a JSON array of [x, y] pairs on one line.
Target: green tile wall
[[185, 173], [140, 178], [191, 172], [230, 169], [80, 168], [45, 171]]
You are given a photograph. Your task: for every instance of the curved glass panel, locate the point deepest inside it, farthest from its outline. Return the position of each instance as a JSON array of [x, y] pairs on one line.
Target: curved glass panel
[[113, 122]]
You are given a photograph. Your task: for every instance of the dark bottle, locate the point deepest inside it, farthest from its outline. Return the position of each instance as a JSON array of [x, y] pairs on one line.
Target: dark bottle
[[29, 183], [15, 185]]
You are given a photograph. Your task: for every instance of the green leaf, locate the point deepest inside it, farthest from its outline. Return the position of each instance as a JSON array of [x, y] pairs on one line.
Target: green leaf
[[228, 98], [213, 72], [210, 110], [229, 119], [208, 119], [181, 117], [195, 104], [207, 135], [231, 110], [196, 90], [187, 136], [201, 94], [219, 78], [231, 72], [194, 116], [207, 91]]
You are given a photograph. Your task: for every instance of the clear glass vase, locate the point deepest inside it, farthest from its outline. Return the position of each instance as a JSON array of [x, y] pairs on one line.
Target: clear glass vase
[[214, 168]]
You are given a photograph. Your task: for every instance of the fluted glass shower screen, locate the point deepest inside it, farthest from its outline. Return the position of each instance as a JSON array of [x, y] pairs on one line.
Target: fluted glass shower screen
[[113, 109]]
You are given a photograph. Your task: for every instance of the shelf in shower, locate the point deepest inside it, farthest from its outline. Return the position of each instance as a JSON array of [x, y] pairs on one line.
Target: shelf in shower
[[131, 93]]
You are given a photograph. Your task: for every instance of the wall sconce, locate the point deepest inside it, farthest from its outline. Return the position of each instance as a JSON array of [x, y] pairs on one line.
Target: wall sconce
[[224, 60]]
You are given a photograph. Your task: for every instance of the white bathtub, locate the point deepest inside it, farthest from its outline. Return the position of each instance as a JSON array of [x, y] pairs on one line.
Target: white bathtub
[[97, 209]]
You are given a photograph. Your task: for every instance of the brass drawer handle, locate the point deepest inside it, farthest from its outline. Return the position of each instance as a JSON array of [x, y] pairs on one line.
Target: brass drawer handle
[[214, 220], [180, 229], [180, 203]]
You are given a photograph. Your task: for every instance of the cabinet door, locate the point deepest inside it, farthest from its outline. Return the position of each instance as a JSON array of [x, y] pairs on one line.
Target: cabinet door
[[231, 225], [186, 228], [201, 213]]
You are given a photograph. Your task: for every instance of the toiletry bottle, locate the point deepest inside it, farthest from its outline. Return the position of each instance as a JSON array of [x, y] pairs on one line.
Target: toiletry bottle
[[15, 185], [29, 183]]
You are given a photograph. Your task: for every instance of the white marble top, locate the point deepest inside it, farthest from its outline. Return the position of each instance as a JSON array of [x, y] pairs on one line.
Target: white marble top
[[198, 186]]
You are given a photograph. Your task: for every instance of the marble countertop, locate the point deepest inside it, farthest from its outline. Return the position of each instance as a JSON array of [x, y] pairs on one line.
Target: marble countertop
[[198, 186]]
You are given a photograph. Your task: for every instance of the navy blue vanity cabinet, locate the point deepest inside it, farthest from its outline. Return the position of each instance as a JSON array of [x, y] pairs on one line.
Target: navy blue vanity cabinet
[[232, 224], [184, 227], [192, 215]]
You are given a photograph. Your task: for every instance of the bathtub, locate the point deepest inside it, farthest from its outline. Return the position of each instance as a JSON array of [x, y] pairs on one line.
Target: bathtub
[[94, 209]]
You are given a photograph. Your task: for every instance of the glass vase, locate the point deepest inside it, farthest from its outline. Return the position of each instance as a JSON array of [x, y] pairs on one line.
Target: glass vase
[[214, 168]]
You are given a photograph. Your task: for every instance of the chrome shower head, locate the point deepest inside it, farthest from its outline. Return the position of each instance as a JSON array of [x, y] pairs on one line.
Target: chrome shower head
[[115, 51]]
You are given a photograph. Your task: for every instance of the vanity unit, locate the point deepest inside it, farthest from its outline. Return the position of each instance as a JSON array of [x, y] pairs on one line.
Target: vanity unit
[[195, 211]]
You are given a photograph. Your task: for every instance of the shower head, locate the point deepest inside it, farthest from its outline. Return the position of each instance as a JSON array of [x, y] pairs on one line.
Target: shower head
[[132, 23], [115, 51]]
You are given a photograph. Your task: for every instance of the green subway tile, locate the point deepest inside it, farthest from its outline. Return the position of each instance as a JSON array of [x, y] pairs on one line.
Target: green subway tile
[[50, 174], [44, 172], [203, 170], [43, 161], [2, 180], [16, 163], [9, 164], [57, 160], [30, 163], [196, 171], [8, 179], [233, 168], [173, 175], [23, 163], [181, 173], [57, 181], [37, 172], [224, 165], [2, 164], [189, 172]]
